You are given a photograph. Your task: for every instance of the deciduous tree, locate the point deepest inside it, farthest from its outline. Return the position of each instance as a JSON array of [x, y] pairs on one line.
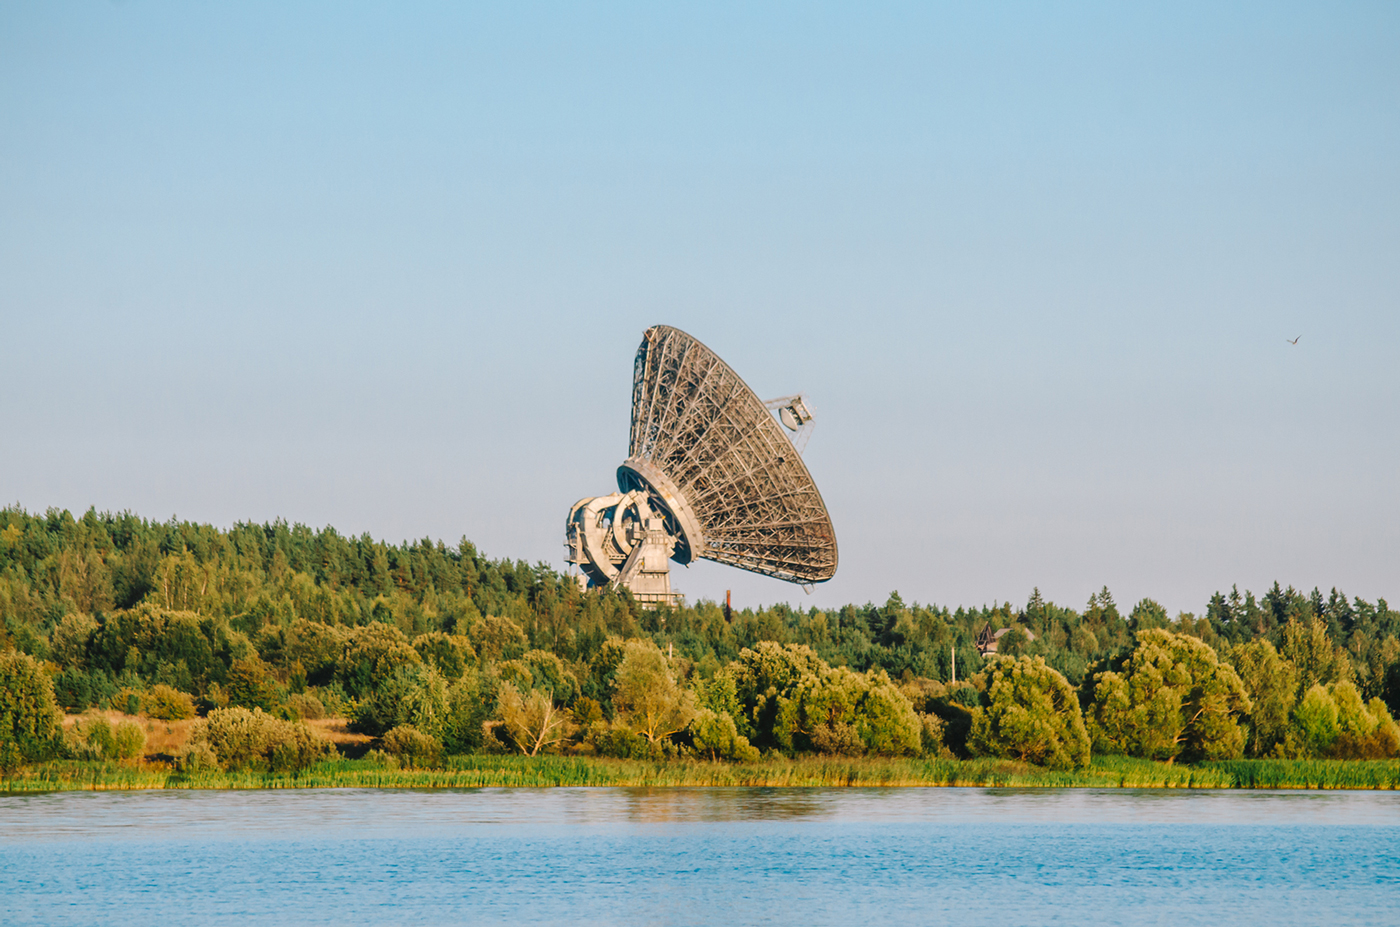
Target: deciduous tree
[[1030, 713], [532, 719], [30, 721], [1172, 699], [646, 695], [1272, 684], [1333, 721]]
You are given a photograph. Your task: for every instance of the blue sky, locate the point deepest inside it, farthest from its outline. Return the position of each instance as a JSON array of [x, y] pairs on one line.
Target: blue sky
[[384, 267]]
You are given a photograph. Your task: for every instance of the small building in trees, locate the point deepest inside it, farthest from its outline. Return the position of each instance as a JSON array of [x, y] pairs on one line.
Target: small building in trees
[[987, 639]]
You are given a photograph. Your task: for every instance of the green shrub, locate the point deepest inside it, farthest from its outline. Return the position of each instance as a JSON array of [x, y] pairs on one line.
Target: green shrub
[[412, 747], [923, 693], [296, 747], [1333, 722], [602, 669], [1314, 726], [1368, 732], [213, 697], [966, 696], [586, 711], [467, 711], [931, 728], [617, 740], [719, 694], [167, 703], [94, 738], [836, 738], [30, 720], [196, 756], [715, 736], [836, 711], [304, 706], [886, 721], [127, 700], [240, 738], [237, 736], [415, 694], [128, 740], [90, 738]]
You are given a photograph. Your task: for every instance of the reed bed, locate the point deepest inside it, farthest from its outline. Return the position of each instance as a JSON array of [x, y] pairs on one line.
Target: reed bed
[[1311, 774], [549, 771]]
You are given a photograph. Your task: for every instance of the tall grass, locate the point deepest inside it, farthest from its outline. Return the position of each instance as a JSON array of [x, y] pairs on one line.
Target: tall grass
[[545, 771], [520, 772], [1310, 774]]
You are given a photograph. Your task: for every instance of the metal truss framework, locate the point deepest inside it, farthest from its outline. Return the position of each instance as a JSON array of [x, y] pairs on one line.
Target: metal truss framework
[[738, 490]]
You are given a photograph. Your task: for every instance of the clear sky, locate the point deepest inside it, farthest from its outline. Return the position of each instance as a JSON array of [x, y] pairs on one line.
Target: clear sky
[[384, 267]]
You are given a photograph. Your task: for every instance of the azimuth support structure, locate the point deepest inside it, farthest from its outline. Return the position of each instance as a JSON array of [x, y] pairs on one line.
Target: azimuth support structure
[[710, 473]]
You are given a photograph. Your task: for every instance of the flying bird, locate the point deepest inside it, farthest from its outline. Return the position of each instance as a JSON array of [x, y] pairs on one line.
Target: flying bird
[[1294, 341]]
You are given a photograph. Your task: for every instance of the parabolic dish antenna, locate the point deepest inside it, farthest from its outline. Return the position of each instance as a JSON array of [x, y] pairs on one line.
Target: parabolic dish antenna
[[711, 472]]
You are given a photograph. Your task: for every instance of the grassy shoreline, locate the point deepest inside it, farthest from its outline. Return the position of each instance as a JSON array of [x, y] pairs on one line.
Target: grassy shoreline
[[554, 771]]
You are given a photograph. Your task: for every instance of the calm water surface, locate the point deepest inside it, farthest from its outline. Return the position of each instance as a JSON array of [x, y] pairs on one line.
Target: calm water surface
[[701, 856]]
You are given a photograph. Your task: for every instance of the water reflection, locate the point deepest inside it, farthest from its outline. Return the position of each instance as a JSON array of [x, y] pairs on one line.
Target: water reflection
[[371, 813], [677, 806]]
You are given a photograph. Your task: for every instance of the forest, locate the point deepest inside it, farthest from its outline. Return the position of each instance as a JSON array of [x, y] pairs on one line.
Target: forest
[[253, 636]]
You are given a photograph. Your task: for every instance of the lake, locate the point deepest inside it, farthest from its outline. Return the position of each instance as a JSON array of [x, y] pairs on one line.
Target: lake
[[701, 856]]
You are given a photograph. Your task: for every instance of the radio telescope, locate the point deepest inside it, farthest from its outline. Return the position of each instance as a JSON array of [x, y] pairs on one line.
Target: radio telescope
[[712, 471]]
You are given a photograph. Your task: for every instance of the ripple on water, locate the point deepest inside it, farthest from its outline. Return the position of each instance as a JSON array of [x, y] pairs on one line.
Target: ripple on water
[[701, 856]]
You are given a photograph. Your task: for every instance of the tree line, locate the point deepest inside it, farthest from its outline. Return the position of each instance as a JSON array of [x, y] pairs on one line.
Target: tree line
[[437, 650]]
